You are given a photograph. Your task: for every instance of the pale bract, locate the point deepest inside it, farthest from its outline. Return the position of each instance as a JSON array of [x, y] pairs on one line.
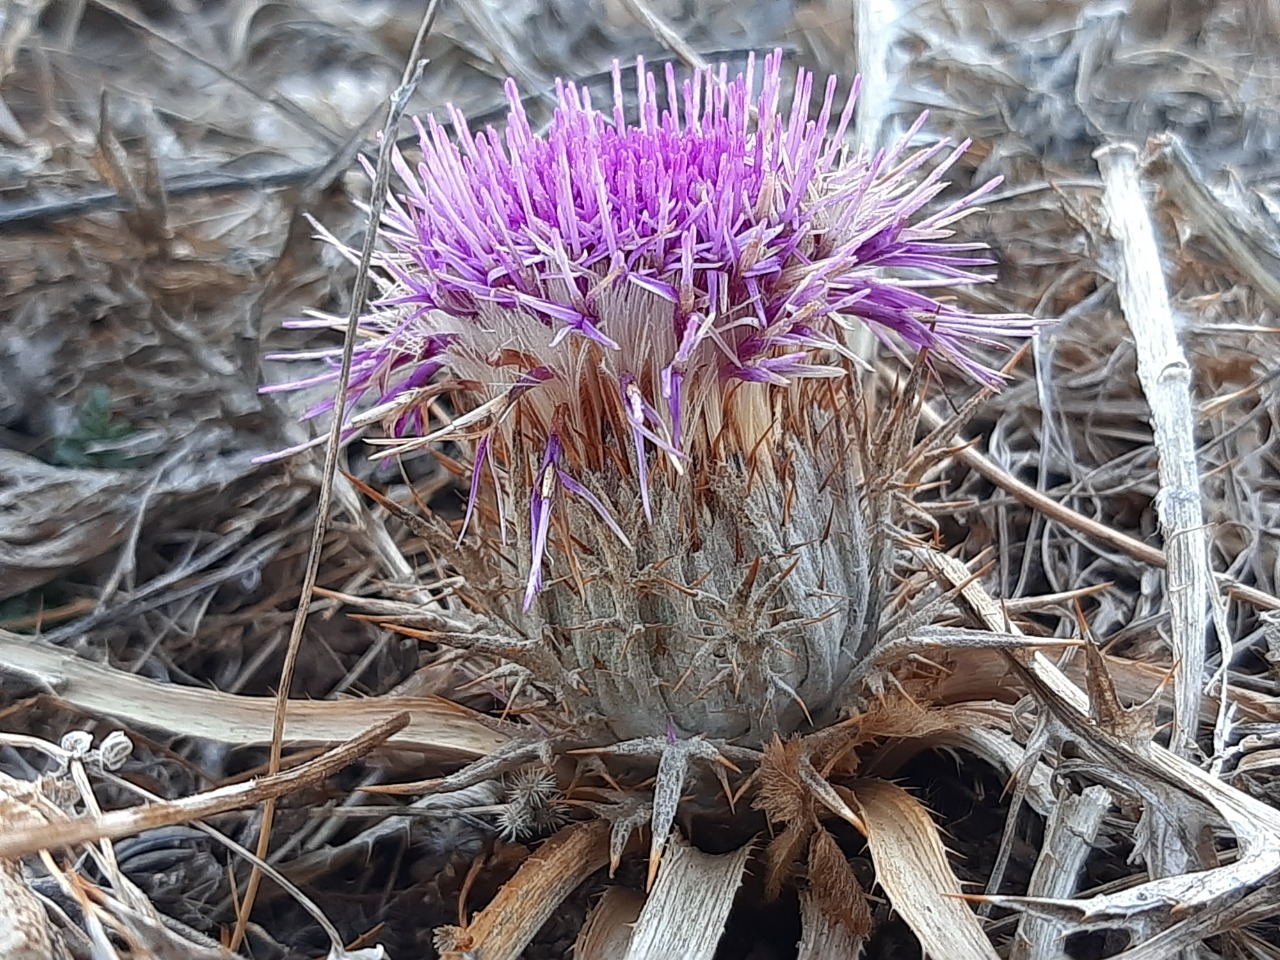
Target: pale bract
[[635, 324]]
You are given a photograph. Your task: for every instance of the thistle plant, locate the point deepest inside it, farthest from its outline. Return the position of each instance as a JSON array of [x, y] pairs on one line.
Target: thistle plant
[[635, 329]]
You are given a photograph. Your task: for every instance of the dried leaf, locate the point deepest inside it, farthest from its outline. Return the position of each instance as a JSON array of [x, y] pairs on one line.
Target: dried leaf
[[782, 854], [822, 938], [826, 794], [607, 933], [436, 725], [685, 915], [834, 887], [911, 866], [894, 715], [668, 783], [782, 794], [505, 927]]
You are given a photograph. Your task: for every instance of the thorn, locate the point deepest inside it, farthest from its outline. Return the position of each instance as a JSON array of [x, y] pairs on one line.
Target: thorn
[[724, 761], [747, 784], [655, 857], [789, 691], [826, 794], [724, 786]]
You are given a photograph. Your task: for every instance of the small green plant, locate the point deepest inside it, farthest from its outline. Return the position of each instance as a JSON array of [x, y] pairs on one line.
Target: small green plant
[[92, 441]]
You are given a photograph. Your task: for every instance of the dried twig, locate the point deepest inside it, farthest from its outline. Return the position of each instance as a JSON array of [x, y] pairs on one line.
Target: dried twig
[[121, 823], [399, 101], [1166, 380]]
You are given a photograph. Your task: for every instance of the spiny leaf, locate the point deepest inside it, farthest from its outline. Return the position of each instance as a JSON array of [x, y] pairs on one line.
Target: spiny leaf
[[911, 866], [782, 794], [834, 886], [781, 855]]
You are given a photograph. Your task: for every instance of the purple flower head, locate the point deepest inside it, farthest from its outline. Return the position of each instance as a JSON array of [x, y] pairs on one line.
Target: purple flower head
[[612, 300]]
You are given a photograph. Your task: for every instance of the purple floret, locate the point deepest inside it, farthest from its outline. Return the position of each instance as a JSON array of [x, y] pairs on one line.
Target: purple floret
[[722, 238]]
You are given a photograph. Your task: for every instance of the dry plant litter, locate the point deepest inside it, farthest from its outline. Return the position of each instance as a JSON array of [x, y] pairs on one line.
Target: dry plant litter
[[1064, 742]]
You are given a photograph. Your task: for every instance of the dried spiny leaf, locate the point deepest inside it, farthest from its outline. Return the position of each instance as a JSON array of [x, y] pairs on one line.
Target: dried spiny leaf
[[782, 854], [912, 868], [825, 793], [782, 794], [834, 886], [672, 769], [893, 716], [835, 751]]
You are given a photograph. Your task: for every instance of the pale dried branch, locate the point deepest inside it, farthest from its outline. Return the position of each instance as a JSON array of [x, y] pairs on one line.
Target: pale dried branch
[[1073, 825], [436, 726], [1193, 901], [875, 32], [1165, 376]]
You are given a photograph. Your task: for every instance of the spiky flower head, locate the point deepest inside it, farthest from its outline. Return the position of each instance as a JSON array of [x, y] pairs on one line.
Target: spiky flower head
[[641, 326]]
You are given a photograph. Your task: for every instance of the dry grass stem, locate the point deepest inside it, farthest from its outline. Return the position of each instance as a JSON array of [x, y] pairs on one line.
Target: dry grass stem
[[399, 102], [1165, 376], [67, 832]]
